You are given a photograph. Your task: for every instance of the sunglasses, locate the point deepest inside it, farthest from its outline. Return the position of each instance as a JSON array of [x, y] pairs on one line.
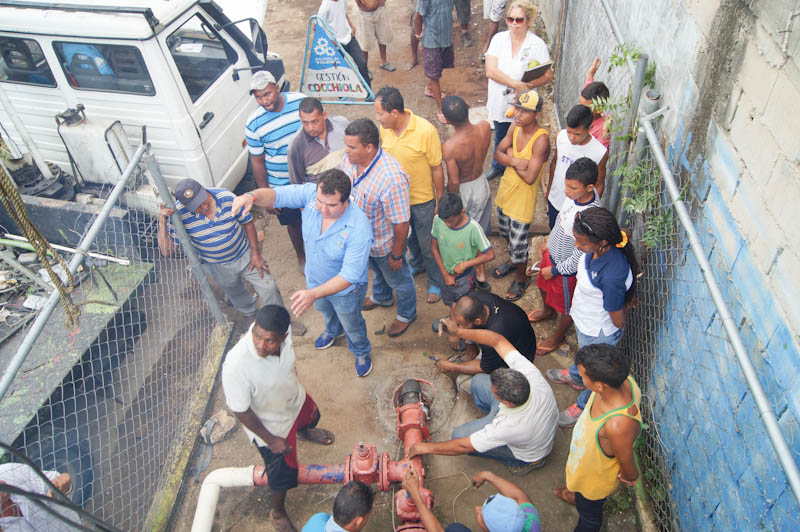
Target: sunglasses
[[488, 500], [515, 20]]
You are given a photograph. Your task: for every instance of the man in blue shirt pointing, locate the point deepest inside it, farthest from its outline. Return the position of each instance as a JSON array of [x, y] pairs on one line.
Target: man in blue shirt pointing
[[337, 237]]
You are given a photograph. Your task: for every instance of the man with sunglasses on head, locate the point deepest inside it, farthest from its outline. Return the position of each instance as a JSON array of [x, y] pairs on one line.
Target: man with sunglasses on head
[[510, 510]]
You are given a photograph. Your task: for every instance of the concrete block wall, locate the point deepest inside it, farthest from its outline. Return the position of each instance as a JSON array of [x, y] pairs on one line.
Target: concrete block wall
[[729, 72]]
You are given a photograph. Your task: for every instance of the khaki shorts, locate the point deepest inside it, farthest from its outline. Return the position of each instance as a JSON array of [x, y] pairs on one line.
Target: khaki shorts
[[375, 29], [494, 9]]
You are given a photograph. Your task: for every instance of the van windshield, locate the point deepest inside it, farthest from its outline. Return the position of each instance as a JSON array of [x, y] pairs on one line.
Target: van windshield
[[200, 55], [106, 67], [22, 61]]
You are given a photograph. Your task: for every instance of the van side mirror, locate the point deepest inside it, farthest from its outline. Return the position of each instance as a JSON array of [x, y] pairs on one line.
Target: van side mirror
[[259, 40]]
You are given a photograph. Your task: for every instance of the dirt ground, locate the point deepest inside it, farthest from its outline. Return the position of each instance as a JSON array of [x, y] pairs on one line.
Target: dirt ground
[[359, 410]]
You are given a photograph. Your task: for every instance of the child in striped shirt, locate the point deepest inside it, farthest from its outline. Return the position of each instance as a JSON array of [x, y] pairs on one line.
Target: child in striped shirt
[[560, 257]]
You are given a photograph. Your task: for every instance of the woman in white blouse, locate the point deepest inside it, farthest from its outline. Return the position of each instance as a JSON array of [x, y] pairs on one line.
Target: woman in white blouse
[[507, 58]]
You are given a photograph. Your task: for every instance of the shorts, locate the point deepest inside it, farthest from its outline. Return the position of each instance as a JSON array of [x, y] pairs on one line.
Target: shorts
[[290, 217], [465, 283], [477, 199], [281, 470], [493, 9], [376, 29], [518, 236], [434, 60], [558, 290]]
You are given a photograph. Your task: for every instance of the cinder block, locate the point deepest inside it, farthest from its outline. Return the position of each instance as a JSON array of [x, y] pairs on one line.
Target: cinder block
[[756, 298], [783, 193], [782, 118], [718, 216], [756, 76], [784, 285], [785, 513], [751, 508], [702, 12], [758, 226], [783, 356], [723, 158], [791, 430]]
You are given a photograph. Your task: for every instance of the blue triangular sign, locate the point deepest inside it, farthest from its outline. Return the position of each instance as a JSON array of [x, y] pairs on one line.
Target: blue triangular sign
[[328, 74]]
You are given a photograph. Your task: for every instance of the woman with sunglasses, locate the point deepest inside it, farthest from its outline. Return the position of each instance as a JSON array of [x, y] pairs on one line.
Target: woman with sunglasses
[[507, 58], [604, 289]]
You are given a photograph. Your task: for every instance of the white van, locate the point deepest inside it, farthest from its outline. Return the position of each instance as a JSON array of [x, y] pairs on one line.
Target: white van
[[178, 67]]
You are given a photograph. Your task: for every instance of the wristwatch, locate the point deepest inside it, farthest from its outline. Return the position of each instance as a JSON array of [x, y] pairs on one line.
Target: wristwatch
[[396, 257]]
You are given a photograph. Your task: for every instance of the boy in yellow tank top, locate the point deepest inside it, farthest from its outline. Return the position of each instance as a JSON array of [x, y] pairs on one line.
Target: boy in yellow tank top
[[601, 451], [523, 151]]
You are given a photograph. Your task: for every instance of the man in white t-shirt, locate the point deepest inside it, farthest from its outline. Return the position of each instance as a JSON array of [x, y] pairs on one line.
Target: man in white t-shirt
[[334, 13], [572, 143], [521, 414], [261, 388]]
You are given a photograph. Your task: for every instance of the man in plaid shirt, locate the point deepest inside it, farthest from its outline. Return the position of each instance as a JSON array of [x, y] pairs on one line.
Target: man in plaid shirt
[[380, 189]]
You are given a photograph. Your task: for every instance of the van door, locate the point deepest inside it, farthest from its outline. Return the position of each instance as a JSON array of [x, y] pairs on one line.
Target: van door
[[204, 60]]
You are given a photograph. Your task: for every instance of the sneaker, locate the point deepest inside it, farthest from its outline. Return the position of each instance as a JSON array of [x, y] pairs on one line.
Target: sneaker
[[523, 469], [568, 417], [324, 341], [363, 365], [562, 376], [467, 38]]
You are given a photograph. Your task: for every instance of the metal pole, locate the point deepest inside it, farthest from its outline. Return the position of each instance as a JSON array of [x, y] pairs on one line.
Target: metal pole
[[763, 404], [7, 256], [150, 163], [37, 156], [627, 129], [33, 334]]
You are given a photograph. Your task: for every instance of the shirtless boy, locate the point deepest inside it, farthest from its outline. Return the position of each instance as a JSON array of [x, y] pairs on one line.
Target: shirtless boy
[[464, 154]]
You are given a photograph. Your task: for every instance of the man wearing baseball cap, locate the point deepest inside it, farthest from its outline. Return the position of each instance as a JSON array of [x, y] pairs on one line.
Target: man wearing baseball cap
[[523, 152], [269, 131], [225, 242]]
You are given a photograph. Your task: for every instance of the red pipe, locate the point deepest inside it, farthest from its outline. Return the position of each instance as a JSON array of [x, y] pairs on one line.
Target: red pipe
[[307, 474]]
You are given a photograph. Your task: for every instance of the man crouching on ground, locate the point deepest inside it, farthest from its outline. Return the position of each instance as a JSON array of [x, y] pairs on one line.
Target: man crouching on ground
[[262, 390]]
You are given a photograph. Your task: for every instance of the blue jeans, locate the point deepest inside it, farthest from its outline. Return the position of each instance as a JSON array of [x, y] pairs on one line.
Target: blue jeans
[[489, 404], [552, 214], [583, 341], [386, 279], [500, 130], [342, 313], [419, 242]]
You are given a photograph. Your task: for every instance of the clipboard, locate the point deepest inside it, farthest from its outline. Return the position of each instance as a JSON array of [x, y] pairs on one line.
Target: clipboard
[[536, 72]]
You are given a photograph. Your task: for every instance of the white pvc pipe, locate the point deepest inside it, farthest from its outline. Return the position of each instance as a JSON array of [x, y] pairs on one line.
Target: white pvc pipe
[[22, 131], [226, 477]]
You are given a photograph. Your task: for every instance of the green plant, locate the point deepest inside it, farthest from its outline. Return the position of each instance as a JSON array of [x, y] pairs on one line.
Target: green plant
[[642, 199], [621, 501]]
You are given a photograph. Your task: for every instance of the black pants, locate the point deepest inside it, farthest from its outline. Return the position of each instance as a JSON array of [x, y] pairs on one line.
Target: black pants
[[354, 49], [590, 514]]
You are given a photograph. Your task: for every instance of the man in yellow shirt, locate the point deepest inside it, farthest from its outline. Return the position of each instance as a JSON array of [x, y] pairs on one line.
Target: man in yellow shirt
[[415, 143]]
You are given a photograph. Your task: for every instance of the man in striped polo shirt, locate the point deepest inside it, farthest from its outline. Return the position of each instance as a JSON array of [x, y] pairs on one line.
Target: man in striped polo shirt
[[270, 130], [226, 244]]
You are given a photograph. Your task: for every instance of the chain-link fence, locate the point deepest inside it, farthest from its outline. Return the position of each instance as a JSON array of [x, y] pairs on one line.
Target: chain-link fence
[[706, 459], [115, 401]]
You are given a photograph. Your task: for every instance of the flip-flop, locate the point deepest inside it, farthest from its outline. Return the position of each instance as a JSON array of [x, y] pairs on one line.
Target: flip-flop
[[540, 351], [483, 286], [533, 268], [502, 270], [517, 289], [388, 67], [534, 320], [323, 436]]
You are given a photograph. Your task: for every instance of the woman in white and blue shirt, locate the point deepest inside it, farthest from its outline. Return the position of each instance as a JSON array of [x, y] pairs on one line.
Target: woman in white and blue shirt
[[605, 284]]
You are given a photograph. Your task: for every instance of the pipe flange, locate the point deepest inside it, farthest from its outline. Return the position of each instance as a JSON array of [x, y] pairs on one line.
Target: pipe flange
[[383, 470]]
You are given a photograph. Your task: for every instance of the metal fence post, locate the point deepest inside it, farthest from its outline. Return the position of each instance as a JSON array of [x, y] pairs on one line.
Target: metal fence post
[[630, 121], [44, 314], [150, 163]]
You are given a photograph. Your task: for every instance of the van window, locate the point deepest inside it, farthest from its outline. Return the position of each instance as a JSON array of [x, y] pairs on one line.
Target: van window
[[106, 67], [200, 54], [22, 61]]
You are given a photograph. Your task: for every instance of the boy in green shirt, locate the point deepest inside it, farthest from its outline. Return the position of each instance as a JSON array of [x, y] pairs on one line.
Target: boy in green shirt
[[458, 245]]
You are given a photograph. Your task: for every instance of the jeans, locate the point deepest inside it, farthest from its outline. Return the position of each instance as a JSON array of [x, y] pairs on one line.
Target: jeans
[[462, 11], [500, 130], [489, 404], [355, 51], [342, 313], [584, 340], [419, 242], [552, 214], [590, 514], [228, 276], [386, 280]]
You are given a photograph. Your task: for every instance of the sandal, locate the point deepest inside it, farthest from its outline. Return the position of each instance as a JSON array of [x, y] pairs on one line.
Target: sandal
[[483, 286], [541, 350], [524, 469], [434, 294], [316, 435], [429, 94], [503, 270], [517, 289], [534, 268], [388, 67]]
